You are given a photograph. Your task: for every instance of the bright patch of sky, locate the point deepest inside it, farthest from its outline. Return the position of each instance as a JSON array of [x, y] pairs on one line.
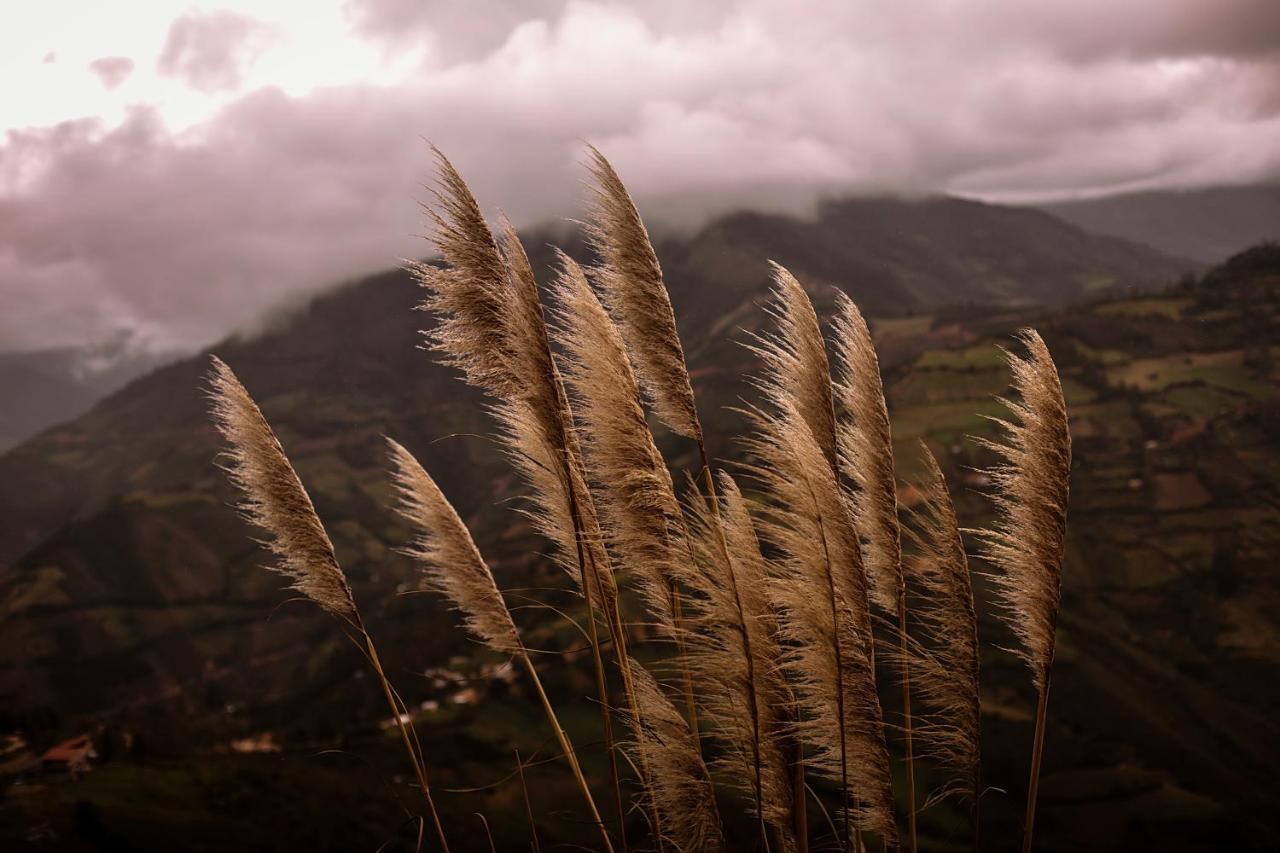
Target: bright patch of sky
[[47, 50]]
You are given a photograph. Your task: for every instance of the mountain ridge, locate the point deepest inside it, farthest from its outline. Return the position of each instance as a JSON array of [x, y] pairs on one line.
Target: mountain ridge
[[899, 255], [1208, 224]]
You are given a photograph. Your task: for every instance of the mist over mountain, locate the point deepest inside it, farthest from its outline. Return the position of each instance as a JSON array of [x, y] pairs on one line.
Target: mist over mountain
[[45, 387], [900, 256], [1208, 225]]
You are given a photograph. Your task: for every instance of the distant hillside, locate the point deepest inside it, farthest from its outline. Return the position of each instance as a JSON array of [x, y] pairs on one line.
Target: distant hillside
[[897, 256], [44, 387], [901, 256], [1206, 225]]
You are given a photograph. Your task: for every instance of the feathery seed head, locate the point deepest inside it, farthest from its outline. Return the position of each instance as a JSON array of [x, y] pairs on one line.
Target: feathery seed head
[[631, 279], [490, 325], [639, 509], [469, 295], [945, 664], [735, 653], [820, 593], [1027, 542], [677, 778], [795, 359], [274, 498], [866, 452], [447, 552]]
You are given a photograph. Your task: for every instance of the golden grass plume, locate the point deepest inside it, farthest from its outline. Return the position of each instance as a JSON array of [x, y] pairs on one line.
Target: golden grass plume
[[738, 658], [865, 444], [468, 295], [274, 498], [677, 777], [639, 509], [820, 592], [489, 324], [1027, 541], [631, 280], [444, 547], [945, 663], [795, 359], [866, 452]]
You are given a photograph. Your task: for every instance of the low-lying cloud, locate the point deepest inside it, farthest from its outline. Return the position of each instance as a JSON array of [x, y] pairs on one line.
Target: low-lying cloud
[[180, 237]]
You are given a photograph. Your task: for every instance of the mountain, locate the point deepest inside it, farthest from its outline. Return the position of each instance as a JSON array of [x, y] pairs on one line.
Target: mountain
[[45, 387], [1208, 225], [901, 256], [132, 594]]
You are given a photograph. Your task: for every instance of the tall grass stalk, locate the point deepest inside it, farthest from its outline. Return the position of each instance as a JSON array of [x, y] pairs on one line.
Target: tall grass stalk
[[820, 593], [276, 501], [635, 292], [491, 326], [814, 521], [455, 568], [1027, 542]]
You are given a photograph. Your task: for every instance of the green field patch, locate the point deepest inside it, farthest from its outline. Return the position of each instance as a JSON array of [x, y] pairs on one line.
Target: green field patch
[[1200, 401], [1171, 308], [1218, 315], [946, 422], [1077, 393], [1113, 419], [982, 357], [924, 387], [1095, 282], [1154, 374], [1234, 379], [884, 327], [1104, 357]]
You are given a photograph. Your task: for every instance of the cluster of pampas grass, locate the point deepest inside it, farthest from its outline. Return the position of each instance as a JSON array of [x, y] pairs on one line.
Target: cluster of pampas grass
[[765, 606]]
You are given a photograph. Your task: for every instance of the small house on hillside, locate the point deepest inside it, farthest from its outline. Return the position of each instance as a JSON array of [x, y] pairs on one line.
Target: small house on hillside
[[70, 758]]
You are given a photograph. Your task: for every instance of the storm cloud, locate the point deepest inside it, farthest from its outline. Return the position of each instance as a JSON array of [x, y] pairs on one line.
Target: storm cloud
[[179, 236]]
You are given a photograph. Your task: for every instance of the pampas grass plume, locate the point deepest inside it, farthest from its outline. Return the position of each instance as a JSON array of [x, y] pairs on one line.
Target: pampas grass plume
[[274, 498]]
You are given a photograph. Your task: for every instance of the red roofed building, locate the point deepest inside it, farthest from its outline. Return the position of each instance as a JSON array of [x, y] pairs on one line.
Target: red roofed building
[[70, 757]]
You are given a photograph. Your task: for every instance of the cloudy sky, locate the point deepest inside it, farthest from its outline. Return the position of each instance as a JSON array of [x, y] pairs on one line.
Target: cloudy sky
[[170, 170]]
